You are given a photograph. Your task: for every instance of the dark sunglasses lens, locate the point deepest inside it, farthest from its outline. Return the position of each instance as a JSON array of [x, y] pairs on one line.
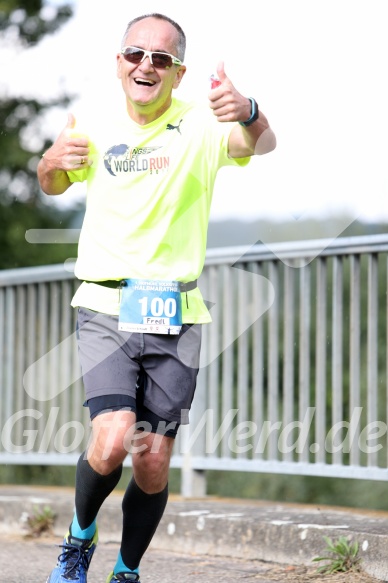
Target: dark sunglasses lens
[[161, 61], [133, 55]]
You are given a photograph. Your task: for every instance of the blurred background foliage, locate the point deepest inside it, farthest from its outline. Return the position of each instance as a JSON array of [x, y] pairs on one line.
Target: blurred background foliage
[[23, 24]]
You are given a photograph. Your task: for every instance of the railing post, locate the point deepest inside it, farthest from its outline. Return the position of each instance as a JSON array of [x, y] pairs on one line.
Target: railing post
[[193, 482], [193, 436]]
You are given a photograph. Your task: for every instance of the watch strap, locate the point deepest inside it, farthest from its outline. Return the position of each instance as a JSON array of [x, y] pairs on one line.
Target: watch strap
[[254, 113]]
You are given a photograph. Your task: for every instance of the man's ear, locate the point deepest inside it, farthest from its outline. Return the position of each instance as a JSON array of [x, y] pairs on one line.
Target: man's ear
[[119, 63], [179, 76]]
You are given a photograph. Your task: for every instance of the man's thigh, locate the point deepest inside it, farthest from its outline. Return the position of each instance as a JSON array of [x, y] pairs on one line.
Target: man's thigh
[[109, 358], [170, 369]]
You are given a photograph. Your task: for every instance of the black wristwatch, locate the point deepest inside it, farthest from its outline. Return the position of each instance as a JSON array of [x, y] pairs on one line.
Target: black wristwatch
[[254, 113]]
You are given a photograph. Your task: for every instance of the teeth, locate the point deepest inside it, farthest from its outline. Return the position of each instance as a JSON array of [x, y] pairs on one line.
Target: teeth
[[144, 81]]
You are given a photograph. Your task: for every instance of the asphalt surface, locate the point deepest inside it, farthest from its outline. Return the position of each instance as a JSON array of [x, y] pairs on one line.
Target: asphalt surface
[[38, 558], [198, 541]]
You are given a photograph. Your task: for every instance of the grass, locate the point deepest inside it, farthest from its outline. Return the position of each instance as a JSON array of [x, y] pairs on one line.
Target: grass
[[40, 521], [342, 556]]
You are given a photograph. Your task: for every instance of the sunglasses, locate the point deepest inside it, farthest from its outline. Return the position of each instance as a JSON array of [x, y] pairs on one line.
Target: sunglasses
[[157, 59]]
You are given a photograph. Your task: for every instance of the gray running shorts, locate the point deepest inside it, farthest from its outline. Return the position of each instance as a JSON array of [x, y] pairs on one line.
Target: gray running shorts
[[113, 361]]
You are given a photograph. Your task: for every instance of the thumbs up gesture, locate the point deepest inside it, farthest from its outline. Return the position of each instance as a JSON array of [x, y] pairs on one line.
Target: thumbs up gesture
[[70, 121], [226, 102], [70, 150]]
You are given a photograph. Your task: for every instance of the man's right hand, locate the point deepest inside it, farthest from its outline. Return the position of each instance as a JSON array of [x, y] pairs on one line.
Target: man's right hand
[[69, 152]]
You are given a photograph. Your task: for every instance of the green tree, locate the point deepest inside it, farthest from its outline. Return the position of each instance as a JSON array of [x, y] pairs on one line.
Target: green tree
[[24, 24]]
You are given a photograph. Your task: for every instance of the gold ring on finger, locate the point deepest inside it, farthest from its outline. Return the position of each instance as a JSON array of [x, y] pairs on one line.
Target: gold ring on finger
[[82, 160]]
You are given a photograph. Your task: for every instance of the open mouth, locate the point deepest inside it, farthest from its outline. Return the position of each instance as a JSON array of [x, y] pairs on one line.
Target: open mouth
[[144, 82]]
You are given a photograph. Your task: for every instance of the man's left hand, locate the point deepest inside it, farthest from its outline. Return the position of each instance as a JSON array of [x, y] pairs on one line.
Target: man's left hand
[[226, 102]]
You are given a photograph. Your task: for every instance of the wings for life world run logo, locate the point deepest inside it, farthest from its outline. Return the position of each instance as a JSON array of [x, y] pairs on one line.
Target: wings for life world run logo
[[122, 159]]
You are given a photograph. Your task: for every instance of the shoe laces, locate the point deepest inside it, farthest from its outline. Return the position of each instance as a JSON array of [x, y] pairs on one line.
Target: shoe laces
[[75, 557]]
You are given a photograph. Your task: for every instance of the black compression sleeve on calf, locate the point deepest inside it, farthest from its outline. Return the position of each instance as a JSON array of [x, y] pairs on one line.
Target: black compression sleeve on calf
[[141, 515], [91, 489]]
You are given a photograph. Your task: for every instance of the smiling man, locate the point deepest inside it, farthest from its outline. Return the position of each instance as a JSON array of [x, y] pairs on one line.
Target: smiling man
[[150, 170], [148, 88]]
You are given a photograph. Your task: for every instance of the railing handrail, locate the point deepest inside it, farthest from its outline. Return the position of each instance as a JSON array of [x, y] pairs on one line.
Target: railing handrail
[[39, 274], [214, 256], [298, 249]]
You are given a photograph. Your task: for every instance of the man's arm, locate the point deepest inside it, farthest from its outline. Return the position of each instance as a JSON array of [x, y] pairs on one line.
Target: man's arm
[[66, 154], [229, 105]]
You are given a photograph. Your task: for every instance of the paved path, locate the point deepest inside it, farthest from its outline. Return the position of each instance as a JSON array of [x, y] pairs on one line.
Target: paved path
[[30, 560], [36, 558]]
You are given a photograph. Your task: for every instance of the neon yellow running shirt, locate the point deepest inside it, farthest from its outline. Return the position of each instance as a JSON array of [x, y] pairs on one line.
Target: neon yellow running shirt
[[149, 192]]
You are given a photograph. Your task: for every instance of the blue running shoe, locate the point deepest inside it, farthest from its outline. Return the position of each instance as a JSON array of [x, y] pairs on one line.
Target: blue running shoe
[[73, 563], [123, 577]]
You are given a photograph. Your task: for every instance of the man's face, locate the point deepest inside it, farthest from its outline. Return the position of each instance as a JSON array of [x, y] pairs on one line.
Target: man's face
[[148, 90]]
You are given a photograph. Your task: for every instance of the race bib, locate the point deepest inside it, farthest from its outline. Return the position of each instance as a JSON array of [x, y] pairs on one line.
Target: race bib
[[151, 306]]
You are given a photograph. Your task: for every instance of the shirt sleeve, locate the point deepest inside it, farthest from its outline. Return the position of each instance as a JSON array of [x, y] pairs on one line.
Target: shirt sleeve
[[228, 160], [218, 134], [78, 175]]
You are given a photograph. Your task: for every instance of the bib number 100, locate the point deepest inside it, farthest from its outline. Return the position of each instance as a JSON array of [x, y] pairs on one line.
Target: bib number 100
[[158, 307]]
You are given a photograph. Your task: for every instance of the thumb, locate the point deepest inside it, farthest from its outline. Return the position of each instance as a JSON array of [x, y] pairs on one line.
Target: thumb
[[70, 121], [221, 72]]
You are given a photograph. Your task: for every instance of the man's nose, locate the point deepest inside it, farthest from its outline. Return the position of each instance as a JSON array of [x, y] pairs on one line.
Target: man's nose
[[146, 64]]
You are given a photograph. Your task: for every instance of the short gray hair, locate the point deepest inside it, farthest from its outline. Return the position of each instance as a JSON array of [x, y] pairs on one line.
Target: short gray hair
[[181, 46]]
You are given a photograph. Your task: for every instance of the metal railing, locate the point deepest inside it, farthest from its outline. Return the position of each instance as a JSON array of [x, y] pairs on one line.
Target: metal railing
[[293, 375]]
